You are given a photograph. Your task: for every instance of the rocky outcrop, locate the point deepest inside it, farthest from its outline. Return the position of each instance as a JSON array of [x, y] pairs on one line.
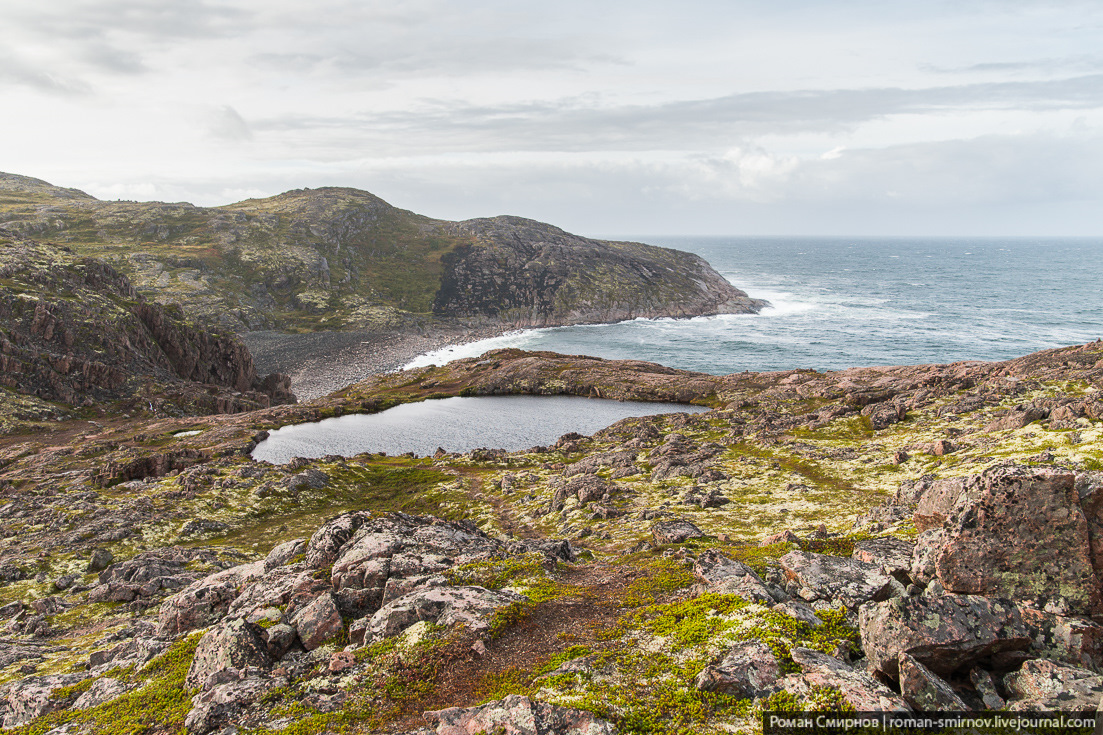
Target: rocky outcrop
[[833, 580], [381, 573], [530, 274], [76, 331]]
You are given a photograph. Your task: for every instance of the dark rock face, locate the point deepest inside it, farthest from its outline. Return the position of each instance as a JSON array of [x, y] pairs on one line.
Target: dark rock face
[[76, 331], [528, 273]]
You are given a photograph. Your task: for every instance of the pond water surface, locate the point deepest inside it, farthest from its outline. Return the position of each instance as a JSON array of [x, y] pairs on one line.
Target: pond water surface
[[456, 424]]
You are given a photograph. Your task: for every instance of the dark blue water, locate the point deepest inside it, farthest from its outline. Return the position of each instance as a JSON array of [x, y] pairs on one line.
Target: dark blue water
[[844, 302]]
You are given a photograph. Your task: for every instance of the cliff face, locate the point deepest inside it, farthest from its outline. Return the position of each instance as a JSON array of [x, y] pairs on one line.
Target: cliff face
[[531, 274], [74, 330], [337, 258]]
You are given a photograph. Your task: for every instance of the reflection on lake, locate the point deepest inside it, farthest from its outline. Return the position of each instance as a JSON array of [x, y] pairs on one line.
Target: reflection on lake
[[457, 425]]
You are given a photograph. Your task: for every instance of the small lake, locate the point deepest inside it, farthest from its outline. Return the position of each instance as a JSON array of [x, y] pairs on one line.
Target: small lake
[[456, 424]]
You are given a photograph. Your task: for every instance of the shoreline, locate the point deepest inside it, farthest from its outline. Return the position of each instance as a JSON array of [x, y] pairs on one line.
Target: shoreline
[[320, 363]]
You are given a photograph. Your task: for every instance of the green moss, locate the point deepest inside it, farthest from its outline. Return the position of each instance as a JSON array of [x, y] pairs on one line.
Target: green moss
[[160, 703], [663, 577]]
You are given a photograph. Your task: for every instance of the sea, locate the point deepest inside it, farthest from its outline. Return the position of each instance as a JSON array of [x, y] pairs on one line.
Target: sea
[[857, 301]]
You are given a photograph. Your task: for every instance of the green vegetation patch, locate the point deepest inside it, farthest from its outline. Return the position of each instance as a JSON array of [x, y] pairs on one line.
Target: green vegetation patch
[[159, 703]]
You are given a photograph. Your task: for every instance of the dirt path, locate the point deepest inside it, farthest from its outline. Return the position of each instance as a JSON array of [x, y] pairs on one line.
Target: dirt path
[[554, 626]]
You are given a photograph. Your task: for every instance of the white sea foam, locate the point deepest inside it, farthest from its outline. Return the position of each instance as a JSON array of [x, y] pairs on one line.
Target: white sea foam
[[445, 355]]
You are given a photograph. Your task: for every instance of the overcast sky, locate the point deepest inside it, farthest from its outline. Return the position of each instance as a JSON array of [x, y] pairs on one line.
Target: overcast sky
[[603, 117]]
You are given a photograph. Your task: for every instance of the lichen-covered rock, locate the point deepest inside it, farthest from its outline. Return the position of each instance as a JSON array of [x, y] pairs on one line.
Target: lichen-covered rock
[[517, 715], [290, 587], [1071, 640], [210, 708], [133, 651], [1019, 533], [836, 579], [923, 689], [205, 602], [985, 686], [33, 697], [943, 633], [674, 531], [102, 690], [318, 622], [326, 543], [283, 553], [232, 644], [1048, 685], [748, 669], [472, 606], [859, 689], [724, 575], [893, 555]]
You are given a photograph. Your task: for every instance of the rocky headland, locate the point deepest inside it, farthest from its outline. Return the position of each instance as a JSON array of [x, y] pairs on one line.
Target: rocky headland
[[892, 538], [334, 259]]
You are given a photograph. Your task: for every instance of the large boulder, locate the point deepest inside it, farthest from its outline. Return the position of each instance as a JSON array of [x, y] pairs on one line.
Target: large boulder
[[472, 606], [943, 633], [748, 669], [674, 531], [517, 715], [1017, 533], [319, 621], [210, 708], [1072, 640], [723, 575], [32, 697], [834, 580], [206, 601], [233, 644]]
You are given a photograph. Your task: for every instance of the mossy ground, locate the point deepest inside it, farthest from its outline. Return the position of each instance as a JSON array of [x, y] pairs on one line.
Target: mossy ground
[[647, 637]]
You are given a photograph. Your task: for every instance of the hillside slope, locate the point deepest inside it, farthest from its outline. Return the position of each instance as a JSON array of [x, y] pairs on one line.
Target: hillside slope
[[338, 258], [74, 331]]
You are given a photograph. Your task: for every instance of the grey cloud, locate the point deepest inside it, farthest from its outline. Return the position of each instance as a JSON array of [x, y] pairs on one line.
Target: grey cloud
[[165, 19], [582, 124], [1060, 65], [112, 59], [15, 71]]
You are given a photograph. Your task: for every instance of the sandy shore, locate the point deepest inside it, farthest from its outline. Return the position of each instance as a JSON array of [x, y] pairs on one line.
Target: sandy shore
[[322, 362]]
